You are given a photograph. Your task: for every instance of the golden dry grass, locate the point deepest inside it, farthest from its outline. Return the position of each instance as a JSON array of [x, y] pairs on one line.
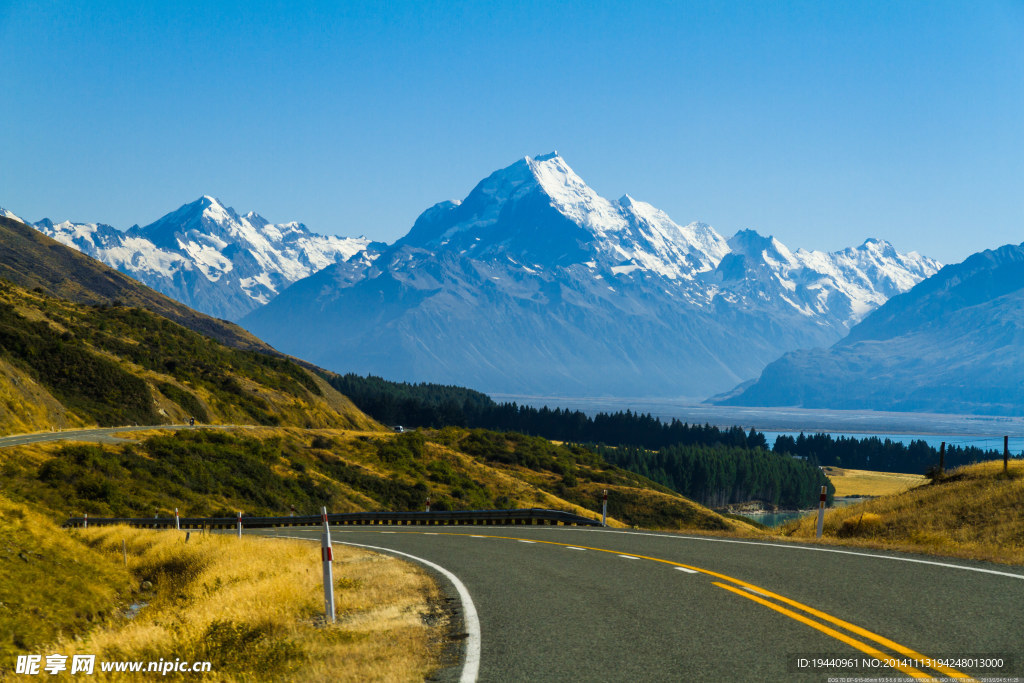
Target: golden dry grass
[[976, 512], [50, 584], [867, 483], [254, 608]]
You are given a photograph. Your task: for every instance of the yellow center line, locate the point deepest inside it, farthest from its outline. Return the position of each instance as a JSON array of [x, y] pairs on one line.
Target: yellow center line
[[852, 642], [853, 628]]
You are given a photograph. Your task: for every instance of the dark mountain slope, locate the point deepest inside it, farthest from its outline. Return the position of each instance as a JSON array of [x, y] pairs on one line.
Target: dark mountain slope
[[32, 260]]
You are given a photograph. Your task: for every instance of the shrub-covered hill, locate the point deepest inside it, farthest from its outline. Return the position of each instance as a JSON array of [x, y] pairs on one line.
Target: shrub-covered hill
[[270, 471], [67, 364], [32, 260], [975, 511]]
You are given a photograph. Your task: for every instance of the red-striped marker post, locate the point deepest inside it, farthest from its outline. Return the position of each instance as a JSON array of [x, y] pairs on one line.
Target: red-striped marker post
[[821, 511], [239, 523], [327, 556], [604, 509], [85, 524], [177, 520], [428, 504]]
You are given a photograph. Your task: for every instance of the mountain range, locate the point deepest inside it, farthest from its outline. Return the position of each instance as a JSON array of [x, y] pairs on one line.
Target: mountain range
[[952, 344], [208, 256], [535, 284]]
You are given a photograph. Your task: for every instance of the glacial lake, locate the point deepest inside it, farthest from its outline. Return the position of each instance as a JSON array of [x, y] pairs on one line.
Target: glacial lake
[[983, 431], [774, 519]]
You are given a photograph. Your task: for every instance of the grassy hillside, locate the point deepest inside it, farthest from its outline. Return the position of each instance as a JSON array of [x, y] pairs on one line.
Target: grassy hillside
[[267, 471], [64, 364], [867, 483], [51, 585], [248, 606], [975, 512]]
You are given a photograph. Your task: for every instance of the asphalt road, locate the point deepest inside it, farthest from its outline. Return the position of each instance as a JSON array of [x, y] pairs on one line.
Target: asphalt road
[[103, 435], [599, 605]]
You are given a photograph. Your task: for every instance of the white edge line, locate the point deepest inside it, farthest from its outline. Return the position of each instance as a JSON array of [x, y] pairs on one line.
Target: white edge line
[[471, 668], [787, 546], [804, 547]]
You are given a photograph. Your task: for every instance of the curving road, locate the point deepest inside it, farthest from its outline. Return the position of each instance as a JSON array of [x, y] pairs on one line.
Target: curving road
[[99, 435], [565, 603], [568, 604]]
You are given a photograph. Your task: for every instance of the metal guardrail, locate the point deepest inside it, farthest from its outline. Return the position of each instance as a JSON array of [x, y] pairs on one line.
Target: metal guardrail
[[458, 517]]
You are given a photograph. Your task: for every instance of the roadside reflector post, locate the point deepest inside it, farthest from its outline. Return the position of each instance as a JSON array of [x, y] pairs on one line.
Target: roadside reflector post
[[428, 504], [177, 520], [85, 523], [604, 509], [327, 557], [1006, 454], [821, 511], [239, 523]]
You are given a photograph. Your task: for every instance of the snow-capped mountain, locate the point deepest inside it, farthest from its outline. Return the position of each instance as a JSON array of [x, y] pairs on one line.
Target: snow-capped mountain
[[209, 257], [535, 284], [7, 214], [954, 343]]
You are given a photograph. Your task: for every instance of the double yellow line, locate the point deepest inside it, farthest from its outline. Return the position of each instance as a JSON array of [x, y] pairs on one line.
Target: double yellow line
[[766, 598]]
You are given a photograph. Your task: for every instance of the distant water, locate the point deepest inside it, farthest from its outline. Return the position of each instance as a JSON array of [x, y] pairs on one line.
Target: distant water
[[985, 431], [774, 519]]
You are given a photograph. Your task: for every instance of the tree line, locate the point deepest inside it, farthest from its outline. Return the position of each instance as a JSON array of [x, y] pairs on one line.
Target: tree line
[[716, 476], [880, 455], [706, 463]]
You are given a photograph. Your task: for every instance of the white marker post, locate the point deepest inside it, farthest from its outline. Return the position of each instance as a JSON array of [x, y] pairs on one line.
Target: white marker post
[[177, 520], [604, 509], [327, 556], [85, 524], [821, 512], [428, 504], [239, 523]]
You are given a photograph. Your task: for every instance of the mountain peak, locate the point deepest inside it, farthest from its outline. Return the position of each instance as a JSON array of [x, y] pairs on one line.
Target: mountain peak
[[8, 214], [752, 243]]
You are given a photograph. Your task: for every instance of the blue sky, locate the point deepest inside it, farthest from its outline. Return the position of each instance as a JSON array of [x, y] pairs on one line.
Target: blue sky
[[820, 123]]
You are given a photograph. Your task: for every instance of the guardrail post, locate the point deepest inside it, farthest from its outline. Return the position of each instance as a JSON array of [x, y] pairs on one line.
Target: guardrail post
[[821, 512], [327, 556], [239, 523]]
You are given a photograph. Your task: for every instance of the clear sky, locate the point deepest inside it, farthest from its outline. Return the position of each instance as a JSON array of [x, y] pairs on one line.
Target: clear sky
[[822, 123]]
